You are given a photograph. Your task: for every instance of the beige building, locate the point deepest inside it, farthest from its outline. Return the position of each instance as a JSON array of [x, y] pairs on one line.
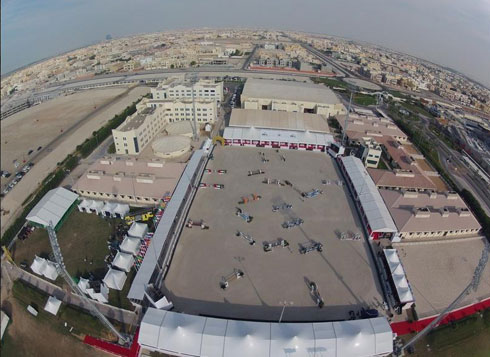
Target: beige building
[[289, 96], [151, 117], [132, 181], [370, 152], [360, 127], [430, 214], [175, 88]]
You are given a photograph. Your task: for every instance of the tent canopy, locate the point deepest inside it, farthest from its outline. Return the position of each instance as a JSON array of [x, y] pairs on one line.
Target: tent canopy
[[52, 207], [50, 271], [38, 265], [398, 276], [178, 333], [123, 261], [138, 230], [121, 209], [52, 305], [130, 245], [115, 279]]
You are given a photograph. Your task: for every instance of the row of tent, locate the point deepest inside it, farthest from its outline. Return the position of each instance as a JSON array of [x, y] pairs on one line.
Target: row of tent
[[106, 209], [44, 267], [190, 335]]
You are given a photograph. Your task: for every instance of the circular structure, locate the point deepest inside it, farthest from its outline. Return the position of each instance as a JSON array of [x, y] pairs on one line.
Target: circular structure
[[362, 84], [171, 146], [179, 128]]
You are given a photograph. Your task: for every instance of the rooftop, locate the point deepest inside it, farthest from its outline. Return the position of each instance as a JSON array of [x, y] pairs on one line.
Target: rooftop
[[428, 211], [401, 179], [371, 126], [278, 120], [136, 120], [132, 177], [289, 90]]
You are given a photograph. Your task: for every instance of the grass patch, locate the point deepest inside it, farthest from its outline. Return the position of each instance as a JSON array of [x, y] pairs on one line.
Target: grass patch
[[83, 241], [332, 83], [416, 108], [382, 165], [82, 322], [363, 99]]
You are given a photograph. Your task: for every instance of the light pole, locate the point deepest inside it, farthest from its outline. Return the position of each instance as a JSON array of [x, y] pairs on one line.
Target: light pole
[[284, 304]]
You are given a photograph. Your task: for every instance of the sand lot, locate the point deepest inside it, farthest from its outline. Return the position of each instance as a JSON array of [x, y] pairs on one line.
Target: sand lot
[[39, 125], [68, 142], [344, 270]]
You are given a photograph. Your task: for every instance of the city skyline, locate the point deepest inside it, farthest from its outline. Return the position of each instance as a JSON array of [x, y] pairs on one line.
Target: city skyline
[[86, 23]]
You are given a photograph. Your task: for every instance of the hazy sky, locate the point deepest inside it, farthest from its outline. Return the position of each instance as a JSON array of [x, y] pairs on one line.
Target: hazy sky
[[454, 33]]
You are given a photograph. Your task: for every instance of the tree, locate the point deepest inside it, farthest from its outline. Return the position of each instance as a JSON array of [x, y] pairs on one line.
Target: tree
[[193, 63], [172, 66]]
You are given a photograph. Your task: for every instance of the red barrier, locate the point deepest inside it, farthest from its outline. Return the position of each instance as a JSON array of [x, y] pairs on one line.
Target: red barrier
[[405, 327], [114, 349]]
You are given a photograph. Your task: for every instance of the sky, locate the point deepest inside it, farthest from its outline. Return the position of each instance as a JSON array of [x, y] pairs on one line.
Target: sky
[[451, 33]]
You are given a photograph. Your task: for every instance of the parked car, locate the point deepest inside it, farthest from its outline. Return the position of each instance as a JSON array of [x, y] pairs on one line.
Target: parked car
[[20, 174], [39, 148], [30, 152], [5, 174]]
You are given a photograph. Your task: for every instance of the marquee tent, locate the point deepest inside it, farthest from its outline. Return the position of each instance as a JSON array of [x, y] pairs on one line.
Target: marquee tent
[[123, 261], [96, 207], [130, 245], [84, 205], [109, 209], [52, 305], [121, 210], [50, 271], [52, 207], [138, 230], [38, 265], [115, 279]]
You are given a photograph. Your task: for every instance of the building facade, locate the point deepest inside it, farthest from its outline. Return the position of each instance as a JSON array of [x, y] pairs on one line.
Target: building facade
[[173, 88]]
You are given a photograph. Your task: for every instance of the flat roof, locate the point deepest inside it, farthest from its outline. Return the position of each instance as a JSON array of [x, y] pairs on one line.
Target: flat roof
[[278, 135], [270, 119], [136, 120], [132, 177], [369, 126], [289, 90], [344, 270], [403, 209]]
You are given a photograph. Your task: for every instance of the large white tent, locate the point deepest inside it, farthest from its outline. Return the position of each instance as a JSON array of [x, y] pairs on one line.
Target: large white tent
[[121, 210], [138, 230], [109, 209], [96, 206], [50, 270], [38, 265], [115, 279], [52, 207], [178, 333], [52, 305], [84, 205], [123, 261], [130, 245]]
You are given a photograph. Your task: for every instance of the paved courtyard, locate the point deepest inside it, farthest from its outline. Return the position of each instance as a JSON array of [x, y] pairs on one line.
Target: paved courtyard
[[343, 271]]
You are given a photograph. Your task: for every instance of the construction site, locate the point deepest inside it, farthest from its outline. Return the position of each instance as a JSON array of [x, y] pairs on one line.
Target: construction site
[[274, 222]]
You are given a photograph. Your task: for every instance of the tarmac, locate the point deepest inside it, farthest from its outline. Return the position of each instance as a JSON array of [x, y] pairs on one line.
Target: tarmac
[[343, 271]]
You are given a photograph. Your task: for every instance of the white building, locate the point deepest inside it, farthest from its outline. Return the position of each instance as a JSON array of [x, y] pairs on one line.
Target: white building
[[175, 88], [370, 152]]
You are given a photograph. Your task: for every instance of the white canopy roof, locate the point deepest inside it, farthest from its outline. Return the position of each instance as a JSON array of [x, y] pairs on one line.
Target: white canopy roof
[[123, 261], [177, 333], [38, 265], [83, 284], [122, 209], [101, 296], [96, 205], [402, 286], [50, 271], [52, 305], [109, 208], [115, 279], [52, 207], [85, 204], [138, 230], [130, 245], [372, 203]]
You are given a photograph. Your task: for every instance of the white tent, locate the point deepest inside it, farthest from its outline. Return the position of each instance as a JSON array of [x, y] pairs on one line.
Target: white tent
[[52, 305], [83, 284], [181, 334], [52, 207], [4, 323], [130, 245], [38, 265], [383, 334], [121, 210], [96, 207], [325, 339], [150, 328], [108, 209], [138, 230], [355, 338], [291, 339], [115, 279], [50, 271], [247, 338], [123, 261], [101, 294], [83, 206], [213, 338], [402, 286]]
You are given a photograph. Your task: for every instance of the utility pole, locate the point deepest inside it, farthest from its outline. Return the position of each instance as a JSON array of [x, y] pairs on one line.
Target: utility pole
[[60, 267], [473, 285]]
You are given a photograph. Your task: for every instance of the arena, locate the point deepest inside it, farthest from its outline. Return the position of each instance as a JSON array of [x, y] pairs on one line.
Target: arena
[[343, 271]]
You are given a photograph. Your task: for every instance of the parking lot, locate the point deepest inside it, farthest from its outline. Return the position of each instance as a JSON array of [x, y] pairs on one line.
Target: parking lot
[[343, 270]]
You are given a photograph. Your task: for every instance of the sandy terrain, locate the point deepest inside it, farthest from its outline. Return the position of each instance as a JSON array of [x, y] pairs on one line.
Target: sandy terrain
[[21, 131], [13, 201]]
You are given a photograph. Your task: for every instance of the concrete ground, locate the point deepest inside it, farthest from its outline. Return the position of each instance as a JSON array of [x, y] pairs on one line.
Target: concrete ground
[[439, 271], [344, 271], [12, 202]]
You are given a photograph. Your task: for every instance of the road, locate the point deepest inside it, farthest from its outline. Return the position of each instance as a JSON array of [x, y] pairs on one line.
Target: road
[[12, 272]]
